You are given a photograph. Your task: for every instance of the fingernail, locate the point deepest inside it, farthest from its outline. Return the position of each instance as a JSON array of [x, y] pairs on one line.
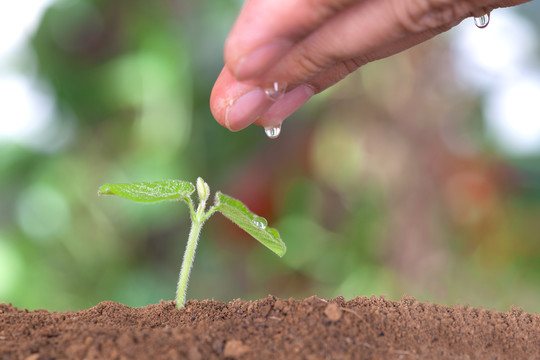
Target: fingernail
[[261, 59], [247, 109], [283, 108]]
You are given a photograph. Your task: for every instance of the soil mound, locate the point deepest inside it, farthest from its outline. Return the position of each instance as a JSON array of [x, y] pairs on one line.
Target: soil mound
[[271, 328]]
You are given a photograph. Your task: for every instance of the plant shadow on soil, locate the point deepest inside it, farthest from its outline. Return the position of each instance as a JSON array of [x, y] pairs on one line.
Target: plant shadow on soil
[[270, 328]]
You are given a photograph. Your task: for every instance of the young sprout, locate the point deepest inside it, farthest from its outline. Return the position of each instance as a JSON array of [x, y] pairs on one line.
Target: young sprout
[[234, 210]]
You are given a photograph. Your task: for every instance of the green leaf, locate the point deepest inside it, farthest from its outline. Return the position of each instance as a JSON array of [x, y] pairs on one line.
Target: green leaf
[[150, 191], [254, 225]]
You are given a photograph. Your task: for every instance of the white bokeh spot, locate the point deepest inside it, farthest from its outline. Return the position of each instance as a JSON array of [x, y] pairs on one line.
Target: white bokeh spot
[[498, 61]]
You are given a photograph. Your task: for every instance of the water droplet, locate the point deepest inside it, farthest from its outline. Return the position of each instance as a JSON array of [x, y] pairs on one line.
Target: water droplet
[[273, 131], [482, 21], [276, 91], [259, 224]]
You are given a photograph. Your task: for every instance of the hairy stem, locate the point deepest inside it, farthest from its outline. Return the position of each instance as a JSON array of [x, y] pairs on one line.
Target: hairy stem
[[187, 263], [197, 220]]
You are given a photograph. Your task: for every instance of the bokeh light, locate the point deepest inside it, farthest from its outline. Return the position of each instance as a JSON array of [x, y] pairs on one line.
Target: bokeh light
[[500, 61]]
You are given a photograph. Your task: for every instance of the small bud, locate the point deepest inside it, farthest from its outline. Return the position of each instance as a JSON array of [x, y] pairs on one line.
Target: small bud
[[202, 189]]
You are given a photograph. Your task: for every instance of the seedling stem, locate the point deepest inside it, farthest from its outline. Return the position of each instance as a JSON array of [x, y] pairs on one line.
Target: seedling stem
[[197, 221]]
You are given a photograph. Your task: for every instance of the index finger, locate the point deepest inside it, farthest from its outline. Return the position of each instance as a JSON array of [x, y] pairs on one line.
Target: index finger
[[266, 29]]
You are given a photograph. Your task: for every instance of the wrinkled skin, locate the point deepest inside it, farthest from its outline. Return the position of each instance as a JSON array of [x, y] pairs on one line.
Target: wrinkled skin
[[309, 45]]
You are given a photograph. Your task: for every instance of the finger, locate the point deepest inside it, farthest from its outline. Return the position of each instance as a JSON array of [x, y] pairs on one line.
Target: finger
[[341, 69], [284, 107], [255, 107], [250, 105], [364, 28], [236, 105], [267, 29], [366, 31]]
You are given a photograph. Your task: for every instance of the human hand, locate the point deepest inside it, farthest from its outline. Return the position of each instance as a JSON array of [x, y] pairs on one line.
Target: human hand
[[302, 47]]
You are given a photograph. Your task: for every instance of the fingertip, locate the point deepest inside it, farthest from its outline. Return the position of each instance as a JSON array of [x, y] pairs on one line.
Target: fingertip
[[236, 105], [219, 100]]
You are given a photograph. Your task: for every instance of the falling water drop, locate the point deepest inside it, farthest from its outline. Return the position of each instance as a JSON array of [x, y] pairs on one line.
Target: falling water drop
[[276, 91], [273, 131], [482, 21]]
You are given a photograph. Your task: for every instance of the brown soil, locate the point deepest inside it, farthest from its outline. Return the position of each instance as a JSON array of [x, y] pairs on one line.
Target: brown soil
[[363, 328]]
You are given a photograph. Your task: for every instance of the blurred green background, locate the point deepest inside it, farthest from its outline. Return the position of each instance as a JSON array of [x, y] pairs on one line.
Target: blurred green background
[[410, 177]]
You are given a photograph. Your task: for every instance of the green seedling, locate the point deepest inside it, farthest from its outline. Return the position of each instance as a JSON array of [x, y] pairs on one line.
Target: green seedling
[[234, 210]]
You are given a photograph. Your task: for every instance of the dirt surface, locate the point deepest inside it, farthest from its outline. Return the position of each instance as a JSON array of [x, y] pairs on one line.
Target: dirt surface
[[363, 328]]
